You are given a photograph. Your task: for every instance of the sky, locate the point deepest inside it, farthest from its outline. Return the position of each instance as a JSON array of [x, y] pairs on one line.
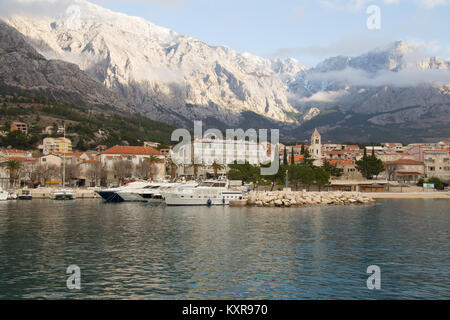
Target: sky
[[307, 30]]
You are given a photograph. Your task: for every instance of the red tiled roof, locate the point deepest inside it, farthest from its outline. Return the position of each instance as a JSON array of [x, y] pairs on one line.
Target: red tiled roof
[[22, 159], [437, 150], [91, 161], [406, 162], [297, 158], [126, 150], [14, 151], [409, 173], [341, 162]]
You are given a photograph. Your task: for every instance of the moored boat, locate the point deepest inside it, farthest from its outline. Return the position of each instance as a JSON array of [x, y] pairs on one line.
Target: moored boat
[[63, 194], [25, 195], [208, 193], [3, 195]]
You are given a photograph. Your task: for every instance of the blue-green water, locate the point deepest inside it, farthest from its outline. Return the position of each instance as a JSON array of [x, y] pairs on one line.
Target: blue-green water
[[136, 251]]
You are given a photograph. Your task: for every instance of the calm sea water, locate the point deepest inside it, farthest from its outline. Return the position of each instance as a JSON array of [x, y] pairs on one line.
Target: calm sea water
[[138, 251]]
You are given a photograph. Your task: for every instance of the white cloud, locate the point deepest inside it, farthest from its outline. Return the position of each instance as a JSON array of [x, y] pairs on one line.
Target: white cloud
[[358, 5], [403, 78]]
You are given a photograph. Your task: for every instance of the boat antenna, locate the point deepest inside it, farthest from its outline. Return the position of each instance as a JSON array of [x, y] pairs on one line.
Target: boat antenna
[[64, 156]]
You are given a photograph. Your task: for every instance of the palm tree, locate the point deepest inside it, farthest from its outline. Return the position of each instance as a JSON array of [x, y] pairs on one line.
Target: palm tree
[[13, 166], [196, 166], [216, 167], [152, 161], [171, 168]]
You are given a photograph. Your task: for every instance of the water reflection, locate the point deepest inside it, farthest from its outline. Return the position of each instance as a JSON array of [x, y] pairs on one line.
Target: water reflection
[[137, 251]]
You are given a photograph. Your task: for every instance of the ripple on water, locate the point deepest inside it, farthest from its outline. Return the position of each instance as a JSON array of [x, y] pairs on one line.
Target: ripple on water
[[137, 251]]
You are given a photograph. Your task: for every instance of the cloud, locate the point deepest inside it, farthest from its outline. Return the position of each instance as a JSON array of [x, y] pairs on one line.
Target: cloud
[[403, 78], [324, 96], [348, 46], [34, 7], [358, 5]]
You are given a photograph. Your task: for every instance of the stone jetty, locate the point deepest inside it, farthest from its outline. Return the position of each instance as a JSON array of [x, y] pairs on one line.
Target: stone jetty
[[307, 199]]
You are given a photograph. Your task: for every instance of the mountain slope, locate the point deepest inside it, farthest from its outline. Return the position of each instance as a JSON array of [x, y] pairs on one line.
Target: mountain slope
[[22, 68], [178, 79], [169, 76]]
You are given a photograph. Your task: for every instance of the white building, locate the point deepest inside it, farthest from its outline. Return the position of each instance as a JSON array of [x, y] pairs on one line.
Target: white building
[[57, 145], [225, 152], [316, 148]]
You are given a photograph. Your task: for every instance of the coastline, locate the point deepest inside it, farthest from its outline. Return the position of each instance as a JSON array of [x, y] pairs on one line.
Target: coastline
[[411, 195]]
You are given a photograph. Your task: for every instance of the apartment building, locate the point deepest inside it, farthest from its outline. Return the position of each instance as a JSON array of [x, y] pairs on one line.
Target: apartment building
[[437, 164], [57, 145]]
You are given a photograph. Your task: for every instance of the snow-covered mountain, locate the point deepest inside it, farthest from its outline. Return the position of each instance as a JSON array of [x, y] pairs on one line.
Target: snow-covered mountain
[[175, 78], [22, 69], [388, 78], [169, 76]]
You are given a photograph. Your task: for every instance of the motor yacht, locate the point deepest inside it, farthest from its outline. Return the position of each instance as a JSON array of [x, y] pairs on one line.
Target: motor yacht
[[63, 194], [3, 195], [208, 193]]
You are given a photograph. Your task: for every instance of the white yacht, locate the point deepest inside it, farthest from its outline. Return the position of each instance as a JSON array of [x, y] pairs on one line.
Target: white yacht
[[3, 195], [208, 193], [143, 194], [127, 192], [63, 194]]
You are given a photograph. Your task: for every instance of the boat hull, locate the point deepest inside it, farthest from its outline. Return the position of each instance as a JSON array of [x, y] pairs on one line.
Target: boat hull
[[180, 200]]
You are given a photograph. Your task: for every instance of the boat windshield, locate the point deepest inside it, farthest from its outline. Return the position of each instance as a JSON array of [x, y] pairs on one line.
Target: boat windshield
[[213, 184]]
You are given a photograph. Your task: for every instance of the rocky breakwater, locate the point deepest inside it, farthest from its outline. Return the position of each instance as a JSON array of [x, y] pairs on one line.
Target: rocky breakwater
[[307, 199]]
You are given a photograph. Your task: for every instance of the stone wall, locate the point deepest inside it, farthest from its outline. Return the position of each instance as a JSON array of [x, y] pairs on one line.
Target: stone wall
[[306, 199]]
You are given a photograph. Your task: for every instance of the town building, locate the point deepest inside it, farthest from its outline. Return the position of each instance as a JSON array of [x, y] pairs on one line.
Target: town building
[[57, 145], [316, 148], [404, 170], [151, 144], [135, 155], [19, 126], [437, 164]]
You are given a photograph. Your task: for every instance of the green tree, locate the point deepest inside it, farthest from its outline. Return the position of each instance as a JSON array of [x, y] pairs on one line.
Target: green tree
[[420, 182], [285, 161], [292, 157], [216, 168], [13, 167], [321, 177], [332, 170], [363, 165], [437, 183], [308, 160], [370, 166]]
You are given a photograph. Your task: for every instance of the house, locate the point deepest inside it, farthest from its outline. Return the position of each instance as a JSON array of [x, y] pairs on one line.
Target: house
[[437, 164], [19, 126], [135, 155], [51, 159], [8, 153], [404, 170], [101, 148], [151, 144], [350, 172]]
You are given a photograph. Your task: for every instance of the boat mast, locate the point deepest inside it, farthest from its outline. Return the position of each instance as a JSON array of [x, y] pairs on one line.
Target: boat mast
[[64, 158]]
